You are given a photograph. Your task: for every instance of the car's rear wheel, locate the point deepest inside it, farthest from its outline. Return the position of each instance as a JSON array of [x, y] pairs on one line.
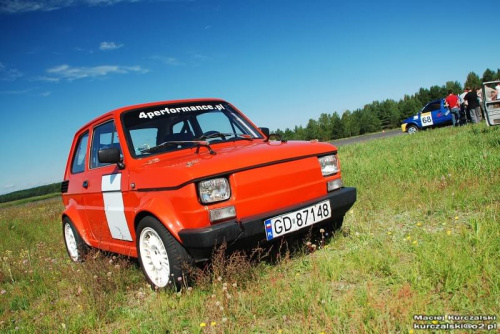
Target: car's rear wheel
[[411, 129], [75, 245], [161, 256]]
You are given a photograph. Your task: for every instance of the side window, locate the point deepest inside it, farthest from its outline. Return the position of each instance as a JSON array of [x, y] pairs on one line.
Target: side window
[[433, 107], [78, 163], [105, 136]]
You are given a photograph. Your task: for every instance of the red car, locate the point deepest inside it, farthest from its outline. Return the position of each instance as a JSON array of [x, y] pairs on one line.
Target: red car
[[167, 182]]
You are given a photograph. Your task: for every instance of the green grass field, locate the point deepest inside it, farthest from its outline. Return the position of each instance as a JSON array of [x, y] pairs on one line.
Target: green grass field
[[422, 239]]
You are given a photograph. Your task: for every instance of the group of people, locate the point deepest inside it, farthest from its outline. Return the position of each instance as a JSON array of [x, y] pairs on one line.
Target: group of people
[[466, 108]]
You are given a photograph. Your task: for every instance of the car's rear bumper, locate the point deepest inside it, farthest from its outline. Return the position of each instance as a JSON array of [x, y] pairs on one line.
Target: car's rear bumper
[[201, 241]]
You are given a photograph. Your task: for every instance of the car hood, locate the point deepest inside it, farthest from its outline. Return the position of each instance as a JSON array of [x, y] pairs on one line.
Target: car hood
[[176, 169]]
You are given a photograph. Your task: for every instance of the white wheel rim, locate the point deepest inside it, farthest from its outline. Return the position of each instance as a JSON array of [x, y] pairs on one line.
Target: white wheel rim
[[70, 239], [154, 257], [412, 130]]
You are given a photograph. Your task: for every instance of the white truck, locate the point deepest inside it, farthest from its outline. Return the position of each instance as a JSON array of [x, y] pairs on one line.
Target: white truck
[[491, 102]]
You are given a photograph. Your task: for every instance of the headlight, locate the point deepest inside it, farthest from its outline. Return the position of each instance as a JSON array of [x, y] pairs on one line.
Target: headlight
[[328, 165], [214, 190]]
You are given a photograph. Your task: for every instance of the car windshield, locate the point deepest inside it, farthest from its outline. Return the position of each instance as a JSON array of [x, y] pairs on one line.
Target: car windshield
[[173, 127]]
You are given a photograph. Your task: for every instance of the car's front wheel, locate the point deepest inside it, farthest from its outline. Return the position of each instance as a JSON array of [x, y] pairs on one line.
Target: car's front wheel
[[161, 256], [412, 129]]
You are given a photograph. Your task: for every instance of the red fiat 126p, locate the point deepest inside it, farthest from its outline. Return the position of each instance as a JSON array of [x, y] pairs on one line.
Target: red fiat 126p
[[167, 182]]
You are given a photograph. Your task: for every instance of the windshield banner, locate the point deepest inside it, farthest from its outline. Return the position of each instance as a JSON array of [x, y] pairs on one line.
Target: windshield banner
[[177, 110]]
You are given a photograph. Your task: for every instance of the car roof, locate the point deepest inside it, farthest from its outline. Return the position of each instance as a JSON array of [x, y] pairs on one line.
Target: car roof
[[115, 113]]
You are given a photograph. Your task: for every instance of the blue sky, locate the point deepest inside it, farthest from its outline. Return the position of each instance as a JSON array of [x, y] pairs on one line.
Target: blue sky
[[65, 62]]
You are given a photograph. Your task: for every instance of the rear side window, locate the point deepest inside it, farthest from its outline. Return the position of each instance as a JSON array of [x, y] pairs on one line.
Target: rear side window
[[105, 136], [78, 163]]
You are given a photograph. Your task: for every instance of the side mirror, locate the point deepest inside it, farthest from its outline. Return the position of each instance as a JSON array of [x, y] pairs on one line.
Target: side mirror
[[109, 156], [265, 131]]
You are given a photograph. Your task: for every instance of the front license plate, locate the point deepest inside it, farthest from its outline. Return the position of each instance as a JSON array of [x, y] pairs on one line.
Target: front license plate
[[293, 221]]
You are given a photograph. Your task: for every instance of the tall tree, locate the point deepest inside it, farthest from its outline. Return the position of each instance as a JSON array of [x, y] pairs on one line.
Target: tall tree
[[324, 127], [289, 134], [454, 86], [437, 92], [369, 121], [393, 114], [472, 80], [350, 124], [337, 126], [300, 133], [409, 107], [423, 95], [312, 130], [489, 75]]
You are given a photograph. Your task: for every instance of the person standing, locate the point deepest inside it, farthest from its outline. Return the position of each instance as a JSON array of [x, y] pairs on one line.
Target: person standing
[[473, 105], [464, 114], [454, 105]]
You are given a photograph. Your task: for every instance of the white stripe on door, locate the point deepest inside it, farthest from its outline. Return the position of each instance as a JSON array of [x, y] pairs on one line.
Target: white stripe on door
[[114, 208]]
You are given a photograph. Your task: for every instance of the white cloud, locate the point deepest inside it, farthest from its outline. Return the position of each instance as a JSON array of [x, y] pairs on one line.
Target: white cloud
[[9, 73], [46, 79], [16, 92], [21, 6], [35, 91], [106, 46], [70, 73], [171, 61]]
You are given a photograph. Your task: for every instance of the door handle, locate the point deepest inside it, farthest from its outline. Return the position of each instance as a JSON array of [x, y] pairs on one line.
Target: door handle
[[85, 184]]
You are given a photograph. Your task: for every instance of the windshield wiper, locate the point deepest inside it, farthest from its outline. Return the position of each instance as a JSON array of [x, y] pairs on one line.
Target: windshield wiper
[[213, 134], [217, 134], [197, 143]]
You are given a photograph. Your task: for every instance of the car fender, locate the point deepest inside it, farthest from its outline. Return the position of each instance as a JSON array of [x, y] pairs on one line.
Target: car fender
[[163, 210], [72, 213], [404, 126], [416, 124]]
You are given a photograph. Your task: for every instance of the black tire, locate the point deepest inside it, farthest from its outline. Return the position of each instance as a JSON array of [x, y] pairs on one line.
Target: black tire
[[75, 246], [411, 129], [161, 257]]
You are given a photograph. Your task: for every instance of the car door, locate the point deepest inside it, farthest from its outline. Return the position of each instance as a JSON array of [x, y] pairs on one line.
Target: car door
[[105, 186], [434, 114], [74, 185]]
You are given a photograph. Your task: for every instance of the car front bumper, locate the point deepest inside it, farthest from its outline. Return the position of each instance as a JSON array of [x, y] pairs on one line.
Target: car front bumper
[[200, 242]]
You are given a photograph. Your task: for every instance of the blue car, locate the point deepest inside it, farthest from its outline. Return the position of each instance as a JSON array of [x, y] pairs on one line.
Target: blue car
[[434, 114]]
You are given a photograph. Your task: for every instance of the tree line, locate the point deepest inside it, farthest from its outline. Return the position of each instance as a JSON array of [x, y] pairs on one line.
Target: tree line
[[32, 192], [379, 115]]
